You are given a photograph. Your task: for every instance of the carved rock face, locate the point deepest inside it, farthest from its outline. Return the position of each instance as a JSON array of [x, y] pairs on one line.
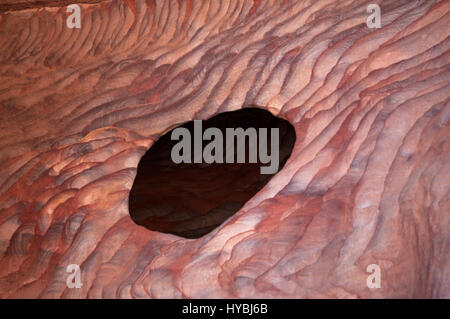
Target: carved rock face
[[367, 181]]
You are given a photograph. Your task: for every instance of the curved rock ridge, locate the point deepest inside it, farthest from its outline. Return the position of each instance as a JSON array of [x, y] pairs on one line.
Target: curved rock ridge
[[367, 181]]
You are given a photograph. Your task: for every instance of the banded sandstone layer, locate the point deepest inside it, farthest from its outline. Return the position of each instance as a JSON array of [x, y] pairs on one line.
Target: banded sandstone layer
[[367, 181]]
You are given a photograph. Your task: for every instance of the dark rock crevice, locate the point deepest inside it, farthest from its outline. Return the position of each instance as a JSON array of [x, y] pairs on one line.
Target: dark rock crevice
[[192, 199]]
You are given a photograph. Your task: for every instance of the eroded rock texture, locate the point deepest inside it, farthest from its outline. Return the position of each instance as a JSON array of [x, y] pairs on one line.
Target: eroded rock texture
[[367, 181]]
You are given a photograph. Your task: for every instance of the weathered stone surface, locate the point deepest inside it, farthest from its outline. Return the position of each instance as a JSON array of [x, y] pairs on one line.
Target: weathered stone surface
[[367, 182]]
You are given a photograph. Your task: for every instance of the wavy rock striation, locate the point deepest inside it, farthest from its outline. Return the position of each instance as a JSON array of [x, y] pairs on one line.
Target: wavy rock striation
[[367, 181]]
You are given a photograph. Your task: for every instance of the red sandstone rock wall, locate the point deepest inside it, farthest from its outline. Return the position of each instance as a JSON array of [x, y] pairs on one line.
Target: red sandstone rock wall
[[367, 182]]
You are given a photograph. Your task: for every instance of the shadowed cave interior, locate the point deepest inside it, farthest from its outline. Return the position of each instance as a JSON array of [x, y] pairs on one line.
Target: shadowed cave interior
[[192, 199]]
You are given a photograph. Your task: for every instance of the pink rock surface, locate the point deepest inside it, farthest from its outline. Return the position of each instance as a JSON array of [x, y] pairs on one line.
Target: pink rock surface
[[367, 181]]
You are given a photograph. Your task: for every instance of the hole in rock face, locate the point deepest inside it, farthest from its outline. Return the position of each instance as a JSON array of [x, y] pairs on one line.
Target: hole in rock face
[[190, 199]]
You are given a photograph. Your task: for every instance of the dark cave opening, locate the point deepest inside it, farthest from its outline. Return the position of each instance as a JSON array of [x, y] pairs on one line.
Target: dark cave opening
[[192, 199]]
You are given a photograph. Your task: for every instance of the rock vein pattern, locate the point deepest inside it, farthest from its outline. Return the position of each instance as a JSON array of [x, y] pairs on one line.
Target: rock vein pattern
[[367, 181]]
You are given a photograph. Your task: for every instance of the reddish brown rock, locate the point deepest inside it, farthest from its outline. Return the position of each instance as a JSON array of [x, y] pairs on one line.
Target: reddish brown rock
[[367, 181]]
